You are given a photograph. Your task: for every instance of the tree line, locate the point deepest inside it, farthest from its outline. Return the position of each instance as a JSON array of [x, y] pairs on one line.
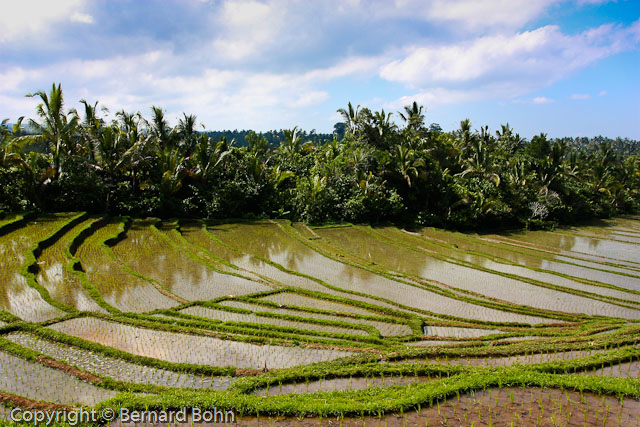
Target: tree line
[[371, 170]]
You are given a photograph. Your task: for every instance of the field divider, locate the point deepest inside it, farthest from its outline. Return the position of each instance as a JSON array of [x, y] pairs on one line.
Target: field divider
[[30, 268], [19, 221], [74, 264], [507, 261], [254, 333], [314, 321], [391, 316], [594, 361], [200, 260], [376, 308], [7, 317], [586, 294], [377, 401], [356, 316], [502, 260], [514, 308]]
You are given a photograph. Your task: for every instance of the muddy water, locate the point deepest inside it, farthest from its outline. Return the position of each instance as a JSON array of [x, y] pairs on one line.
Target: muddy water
[[498, 260], [183, 348], [228, 316], [118, 369], [580, 244], [290, 299], [588, 266], [448, 331], [148, 253], [119, 288], [248, 262], [54, 275], [337, 384], [35, 381], [580, 266], [372, 249], [268, 241], [385, 329], [16, 296]]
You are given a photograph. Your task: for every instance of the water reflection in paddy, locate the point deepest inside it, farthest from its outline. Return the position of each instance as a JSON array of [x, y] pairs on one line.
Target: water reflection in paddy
[[362, 244], [268, 241]]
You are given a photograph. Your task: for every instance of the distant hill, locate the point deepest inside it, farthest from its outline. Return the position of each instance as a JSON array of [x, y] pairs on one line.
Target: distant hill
[[274, 137]]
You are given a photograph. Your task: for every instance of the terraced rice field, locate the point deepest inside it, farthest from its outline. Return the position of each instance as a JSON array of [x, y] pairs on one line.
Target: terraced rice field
[[367, 324], [386, 328], [242, 318], [38, 382], [184, 348], [149, 252]]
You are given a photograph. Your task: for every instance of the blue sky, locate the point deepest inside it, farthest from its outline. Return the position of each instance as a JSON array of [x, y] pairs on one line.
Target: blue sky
[[564, 67]]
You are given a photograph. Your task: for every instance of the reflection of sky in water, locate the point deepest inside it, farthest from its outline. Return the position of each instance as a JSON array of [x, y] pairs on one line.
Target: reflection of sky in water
[[175, 270], [16, 296], [269, 240], [593, 246], [585, 265], [418, 263], [184, 348]]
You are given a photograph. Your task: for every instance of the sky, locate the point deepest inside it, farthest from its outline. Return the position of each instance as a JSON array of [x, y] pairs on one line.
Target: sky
[[563, 67]]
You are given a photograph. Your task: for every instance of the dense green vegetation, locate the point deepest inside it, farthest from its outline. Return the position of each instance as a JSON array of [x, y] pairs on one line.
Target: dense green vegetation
[[373, 170]]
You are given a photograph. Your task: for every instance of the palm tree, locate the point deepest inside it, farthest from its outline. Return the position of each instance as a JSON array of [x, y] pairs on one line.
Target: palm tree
[[11, 148], [187, 134], [476, 153], [383, 123], [138, 142], [207, 156], [413, 116], [350, 117], [507, 140], [160, 130], [293, 143], [173, 168], [406, 163], [57, 130]]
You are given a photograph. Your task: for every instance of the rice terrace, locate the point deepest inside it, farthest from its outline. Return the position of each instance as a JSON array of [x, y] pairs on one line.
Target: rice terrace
[[264, 213], [350, 323]]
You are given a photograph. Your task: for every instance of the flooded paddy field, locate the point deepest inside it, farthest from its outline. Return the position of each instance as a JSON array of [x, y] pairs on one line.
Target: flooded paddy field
[[289, 324]]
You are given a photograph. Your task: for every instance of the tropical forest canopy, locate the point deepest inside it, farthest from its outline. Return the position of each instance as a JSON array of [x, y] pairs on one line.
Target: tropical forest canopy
[[370, 170]]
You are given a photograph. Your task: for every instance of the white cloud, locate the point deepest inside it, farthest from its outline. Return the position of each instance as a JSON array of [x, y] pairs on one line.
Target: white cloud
[[359, 65], [473, 14], [485, 55], [82, 18], [25, 18], [602, 93], [542, 100], [221, 98], [247, 27], [545, 52], [580, 96], [506, 65], [432, 98]]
